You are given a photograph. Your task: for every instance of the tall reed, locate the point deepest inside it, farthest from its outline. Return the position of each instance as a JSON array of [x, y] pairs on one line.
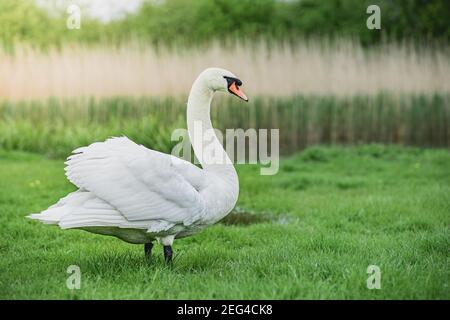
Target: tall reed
[[55, 127], [341, 68]]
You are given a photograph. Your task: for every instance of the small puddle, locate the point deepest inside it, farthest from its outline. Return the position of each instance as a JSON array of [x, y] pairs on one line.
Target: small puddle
[[242, 217]]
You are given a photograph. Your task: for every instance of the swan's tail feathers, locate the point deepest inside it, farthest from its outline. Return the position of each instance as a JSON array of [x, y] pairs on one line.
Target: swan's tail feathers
[[83, 209], [47, 216], [64, 206]]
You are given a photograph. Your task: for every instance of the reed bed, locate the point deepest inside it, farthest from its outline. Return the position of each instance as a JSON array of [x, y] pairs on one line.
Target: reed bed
[[55, 127], [341, 68]]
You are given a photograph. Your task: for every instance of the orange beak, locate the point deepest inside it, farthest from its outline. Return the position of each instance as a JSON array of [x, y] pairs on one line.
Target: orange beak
[[234, 89]]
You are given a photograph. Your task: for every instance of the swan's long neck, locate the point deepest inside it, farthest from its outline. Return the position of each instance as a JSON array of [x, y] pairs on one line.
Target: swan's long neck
[[207, 147]]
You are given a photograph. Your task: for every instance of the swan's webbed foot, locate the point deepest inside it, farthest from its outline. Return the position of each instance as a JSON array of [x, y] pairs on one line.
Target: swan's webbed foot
[[148, 249], [168, 253]]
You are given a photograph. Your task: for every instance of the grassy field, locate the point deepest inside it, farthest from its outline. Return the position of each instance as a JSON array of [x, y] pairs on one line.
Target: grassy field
[[310, 231]]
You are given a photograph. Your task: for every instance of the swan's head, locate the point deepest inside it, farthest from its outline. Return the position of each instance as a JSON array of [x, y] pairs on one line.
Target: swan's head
[[218, 79]]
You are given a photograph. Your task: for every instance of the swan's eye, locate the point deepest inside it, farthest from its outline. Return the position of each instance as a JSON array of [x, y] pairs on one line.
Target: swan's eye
[[231, 80]]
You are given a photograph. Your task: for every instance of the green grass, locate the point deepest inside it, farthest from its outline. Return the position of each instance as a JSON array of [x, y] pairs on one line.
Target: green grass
[[334, 211]]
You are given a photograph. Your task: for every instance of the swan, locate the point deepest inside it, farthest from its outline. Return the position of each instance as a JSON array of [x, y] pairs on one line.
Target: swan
[[141, 195]]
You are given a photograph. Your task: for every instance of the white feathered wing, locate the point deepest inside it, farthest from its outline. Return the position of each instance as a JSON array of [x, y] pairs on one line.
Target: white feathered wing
[[123, 184]]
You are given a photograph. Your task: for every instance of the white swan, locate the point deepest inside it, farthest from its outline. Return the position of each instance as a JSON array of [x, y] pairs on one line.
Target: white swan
[[138, 194]]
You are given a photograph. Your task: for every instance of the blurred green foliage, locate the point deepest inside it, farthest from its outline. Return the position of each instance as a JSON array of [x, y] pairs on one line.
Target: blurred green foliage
[[56, 127], [200, 21], [23, 21]]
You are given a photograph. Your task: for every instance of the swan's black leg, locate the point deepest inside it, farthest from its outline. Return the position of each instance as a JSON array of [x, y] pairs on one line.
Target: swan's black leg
[[148, 249], [168, 254]]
